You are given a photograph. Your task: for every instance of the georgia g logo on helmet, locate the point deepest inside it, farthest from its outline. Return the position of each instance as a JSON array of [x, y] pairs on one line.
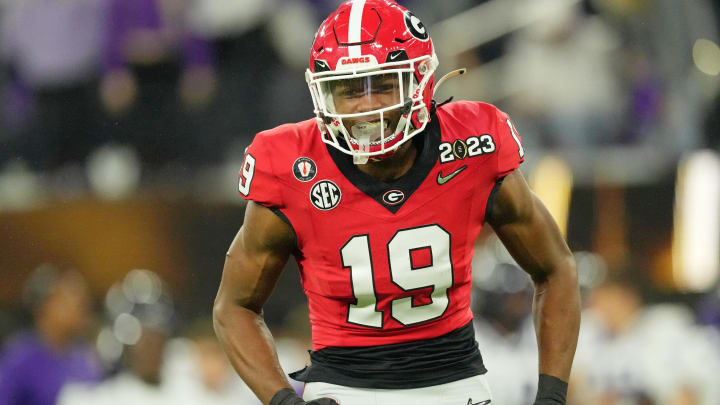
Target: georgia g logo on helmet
[[416, 27]]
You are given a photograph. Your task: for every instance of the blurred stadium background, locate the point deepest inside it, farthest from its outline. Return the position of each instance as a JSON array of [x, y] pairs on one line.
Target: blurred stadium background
[[123, 124]]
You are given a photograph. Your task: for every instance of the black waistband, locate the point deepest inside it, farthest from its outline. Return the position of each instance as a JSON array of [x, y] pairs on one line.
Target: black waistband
[[422, 363]]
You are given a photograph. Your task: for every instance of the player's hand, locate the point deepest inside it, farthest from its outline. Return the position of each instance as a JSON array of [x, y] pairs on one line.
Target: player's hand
[[289, 397]]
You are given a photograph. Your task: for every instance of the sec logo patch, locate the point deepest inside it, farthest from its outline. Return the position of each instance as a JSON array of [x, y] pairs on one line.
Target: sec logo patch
[[325, 195], [304, 169]]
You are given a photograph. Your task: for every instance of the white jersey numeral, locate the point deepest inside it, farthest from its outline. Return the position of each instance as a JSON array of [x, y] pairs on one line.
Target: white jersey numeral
[[246, 175], [356, 255], [438, 274]]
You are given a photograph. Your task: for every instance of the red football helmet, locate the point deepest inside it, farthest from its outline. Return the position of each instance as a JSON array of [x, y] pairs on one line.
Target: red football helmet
[[371, 78]]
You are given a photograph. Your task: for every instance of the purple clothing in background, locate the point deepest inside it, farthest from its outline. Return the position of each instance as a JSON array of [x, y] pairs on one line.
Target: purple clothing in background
[[32, 374], [128, 16], [53, 43]]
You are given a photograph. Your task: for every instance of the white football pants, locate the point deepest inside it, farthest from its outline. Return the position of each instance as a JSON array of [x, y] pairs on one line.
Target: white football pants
[[469, 391]]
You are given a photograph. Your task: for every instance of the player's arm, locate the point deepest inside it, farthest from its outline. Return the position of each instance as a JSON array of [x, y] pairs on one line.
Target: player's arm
[[253, 264], [531, 236]]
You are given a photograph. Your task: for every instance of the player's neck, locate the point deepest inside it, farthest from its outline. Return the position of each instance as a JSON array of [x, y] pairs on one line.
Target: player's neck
[[393, 167]]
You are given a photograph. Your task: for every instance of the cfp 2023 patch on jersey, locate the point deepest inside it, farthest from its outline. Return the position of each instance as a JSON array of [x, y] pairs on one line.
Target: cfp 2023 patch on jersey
[[385, 263]]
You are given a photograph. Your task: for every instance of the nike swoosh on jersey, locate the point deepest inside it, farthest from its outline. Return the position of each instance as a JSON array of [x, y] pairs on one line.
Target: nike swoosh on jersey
[[485, 402], [444, 179]]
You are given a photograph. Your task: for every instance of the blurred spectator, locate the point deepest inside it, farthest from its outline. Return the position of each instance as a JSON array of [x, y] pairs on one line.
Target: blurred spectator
[[506, 336], [198, 371], [144, 325], [155, 69], [51, 50], [258, 90], [291, 29], [708, 309], [140, 384], [663, 32], [632, 354], [232, 18], [38, 363], [561, 77], [644, 112]]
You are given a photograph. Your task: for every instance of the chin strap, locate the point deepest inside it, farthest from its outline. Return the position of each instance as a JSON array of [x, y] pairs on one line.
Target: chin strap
[[457, 72]]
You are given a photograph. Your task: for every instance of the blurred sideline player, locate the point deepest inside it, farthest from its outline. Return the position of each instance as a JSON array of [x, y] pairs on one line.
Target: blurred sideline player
[[380, 199], [36, 363], [504, 330], [630, 353]]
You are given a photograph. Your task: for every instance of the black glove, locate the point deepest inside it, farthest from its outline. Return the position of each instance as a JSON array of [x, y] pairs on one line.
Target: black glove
[[551, 391], [289, 397]]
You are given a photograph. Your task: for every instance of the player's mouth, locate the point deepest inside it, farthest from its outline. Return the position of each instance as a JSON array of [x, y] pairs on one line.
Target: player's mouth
[[372, 129]]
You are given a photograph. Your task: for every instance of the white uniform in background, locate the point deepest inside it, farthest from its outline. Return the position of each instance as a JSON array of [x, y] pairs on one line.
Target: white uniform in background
[[181, 384], [512, 362], [699, 364], [122, 389], [662, 353], [185, 383]]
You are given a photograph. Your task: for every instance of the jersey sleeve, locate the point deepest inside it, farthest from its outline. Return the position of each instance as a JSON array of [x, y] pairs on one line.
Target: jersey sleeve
[[510, 152], [257, 181]]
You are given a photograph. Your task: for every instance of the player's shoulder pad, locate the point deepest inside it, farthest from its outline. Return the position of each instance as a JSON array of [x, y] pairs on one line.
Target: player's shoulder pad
[[485, 130], [283, 144], [469, 116], [469, 109], [261, 174], [286, 136]]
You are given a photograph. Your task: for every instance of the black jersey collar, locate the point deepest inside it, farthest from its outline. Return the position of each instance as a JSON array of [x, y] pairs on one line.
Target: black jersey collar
[[427, 142]]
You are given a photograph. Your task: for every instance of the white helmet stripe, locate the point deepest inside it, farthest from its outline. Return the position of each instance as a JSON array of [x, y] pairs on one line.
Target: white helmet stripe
[[356, 13]]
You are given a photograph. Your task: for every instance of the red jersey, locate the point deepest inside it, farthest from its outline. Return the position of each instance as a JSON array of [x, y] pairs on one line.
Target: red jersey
[[385, 263]]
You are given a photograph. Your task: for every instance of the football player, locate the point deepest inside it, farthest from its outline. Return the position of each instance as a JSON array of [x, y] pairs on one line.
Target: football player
[[379, 198]]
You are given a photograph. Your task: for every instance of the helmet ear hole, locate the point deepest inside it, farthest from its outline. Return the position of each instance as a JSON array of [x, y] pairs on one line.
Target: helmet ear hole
[[423, 116], [423, 68]]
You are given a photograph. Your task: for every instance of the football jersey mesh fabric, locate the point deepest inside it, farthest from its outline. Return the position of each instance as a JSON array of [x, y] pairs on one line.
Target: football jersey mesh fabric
[[453, 213]]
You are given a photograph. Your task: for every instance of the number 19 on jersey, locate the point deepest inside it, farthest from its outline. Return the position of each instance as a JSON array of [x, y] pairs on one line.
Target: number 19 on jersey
[[438, 274]]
